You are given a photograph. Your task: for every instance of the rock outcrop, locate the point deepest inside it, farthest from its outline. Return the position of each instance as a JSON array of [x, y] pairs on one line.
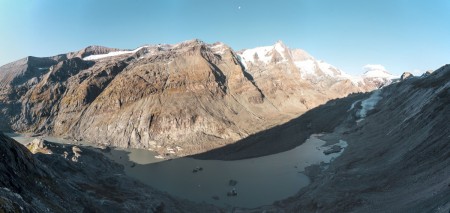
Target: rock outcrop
[[427, 73], [406, 75], [38, 145]]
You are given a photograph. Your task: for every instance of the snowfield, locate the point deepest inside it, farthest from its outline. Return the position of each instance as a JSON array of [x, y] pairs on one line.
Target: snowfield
[[110, 54]]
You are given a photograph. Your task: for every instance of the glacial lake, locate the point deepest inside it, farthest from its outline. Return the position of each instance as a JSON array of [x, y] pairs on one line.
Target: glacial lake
[[258, 181]]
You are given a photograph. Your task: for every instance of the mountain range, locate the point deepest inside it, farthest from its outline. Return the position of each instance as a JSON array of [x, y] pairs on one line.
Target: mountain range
[[191, 96], [220, 104]]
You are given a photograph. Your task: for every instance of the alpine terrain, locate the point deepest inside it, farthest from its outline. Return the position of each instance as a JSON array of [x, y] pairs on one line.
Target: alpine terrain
[[191, 95], [386, 137]]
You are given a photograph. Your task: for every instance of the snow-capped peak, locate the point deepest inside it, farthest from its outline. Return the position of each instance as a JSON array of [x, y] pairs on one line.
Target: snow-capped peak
[[377, 71], [264, 54], [280, 47]]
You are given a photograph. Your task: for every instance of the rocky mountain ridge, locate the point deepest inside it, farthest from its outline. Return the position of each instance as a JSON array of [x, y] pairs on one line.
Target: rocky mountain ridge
[[191, 95]]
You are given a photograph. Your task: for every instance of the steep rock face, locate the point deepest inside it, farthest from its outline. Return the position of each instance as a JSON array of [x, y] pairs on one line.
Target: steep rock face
[[177, 95], [16, 79], [195, 95]]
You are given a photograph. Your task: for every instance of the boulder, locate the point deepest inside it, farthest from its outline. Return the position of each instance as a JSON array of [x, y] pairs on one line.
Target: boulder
[[76, 151], [38, 146]]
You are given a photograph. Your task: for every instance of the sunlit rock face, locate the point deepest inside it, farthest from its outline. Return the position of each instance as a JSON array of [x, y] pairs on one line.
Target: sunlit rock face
[[193, 95]]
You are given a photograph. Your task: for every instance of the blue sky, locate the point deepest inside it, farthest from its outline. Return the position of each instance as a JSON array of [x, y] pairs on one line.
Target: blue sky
[[402, 35]]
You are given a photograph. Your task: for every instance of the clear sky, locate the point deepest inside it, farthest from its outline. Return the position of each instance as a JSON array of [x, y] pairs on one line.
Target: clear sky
[[402, 35]]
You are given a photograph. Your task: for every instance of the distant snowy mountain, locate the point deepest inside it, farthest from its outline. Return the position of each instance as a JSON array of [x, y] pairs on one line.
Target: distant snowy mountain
[[311, 69], [377, 71], [378, 75]]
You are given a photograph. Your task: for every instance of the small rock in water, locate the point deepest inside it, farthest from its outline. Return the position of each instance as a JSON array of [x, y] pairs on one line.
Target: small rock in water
[[333, 149], [197, 169], [232, 193]]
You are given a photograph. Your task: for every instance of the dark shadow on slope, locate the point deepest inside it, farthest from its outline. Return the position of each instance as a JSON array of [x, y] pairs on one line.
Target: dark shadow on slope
[[397, 159], [4, 126], [92, 183], [323, 118]]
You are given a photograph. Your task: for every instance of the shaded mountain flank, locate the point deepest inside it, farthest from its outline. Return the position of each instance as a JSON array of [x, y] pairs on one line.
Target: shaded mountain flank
[[193, 95], [92, 183], [398, 154]]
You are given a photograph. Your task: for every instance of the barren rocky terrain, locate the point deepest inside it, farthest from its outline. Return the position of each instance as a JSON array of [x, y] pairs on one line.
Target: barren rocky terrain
[[215, 103], [397, 159], [191, 95]]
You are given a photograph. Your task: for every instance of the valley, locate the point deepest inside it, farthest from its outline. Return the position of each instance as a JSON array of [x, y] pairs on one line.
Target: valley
[[211, 184], [227, 131]]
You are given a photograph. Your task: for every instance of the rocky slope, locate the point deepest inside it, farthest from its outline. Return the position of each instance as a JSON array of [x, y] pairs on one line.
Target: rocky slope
[[192, 95], [398, 153], [398, 158], [58, 183]]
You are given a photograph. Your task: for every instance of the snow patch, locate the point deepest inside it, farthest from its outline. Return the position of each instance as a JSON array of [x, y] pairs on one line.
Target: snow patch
[[353, 105], [369, 104], [260, 52], [342, 144], [307, 67], [111, 54]]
